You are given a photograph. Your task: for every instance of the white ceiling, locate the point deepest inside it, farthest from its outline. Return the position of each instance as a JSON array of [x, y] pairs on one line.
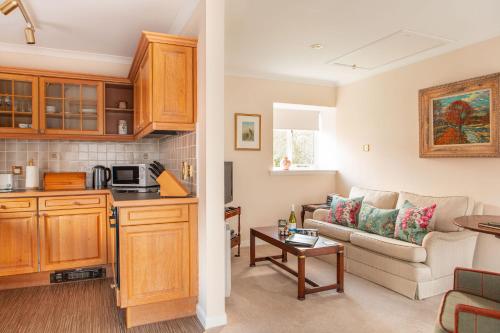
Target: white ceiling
[[108, 27], [272, 38]]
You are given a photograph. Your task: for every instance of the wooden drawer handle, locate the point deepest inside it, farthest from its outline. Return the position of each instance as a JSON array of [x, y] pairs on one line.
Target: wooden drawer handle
[[77, 203], [3, 207]]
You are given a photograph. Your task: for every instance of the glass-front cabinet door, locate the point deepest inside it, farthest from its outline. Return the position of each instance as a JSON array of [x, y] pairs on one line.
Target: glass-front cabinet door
[[18, 103], [71, 106]]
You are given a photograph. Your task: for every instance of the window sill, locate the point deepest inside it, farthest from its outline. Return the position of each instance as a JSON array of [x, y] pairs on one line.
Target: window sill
[[299, 172]]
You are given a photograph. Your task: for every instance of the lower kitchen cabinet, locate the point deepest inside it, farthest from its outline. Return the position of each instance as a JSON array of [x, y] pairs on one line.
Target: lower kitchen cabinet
[[72, 238], [157, 271], [155, 262], [18, 243]]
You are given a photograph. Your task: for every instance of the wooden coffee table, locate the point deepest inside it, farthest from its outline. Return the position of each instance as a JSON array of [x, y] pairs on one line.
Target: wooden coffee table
[[271, 236]]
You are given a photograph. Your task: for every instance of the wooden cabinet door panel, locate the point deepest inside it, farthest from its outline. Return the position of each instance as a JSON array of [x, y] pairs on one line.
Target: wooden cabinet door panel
[[173, 94], [72, 238], [144, 81], [18, 104], [154, 263], [71, 106], [137, 103], [18, 243]]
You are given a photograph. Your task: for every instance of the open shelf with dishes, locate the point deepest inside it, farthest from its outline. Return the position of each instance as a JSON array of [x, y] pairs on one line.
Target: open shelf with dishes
[[118, 110]]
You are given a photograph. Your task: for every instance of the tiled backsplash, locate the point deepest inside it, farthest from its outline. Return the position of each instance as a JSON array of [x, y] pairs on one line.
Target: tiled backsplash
[[58, 156], [176, 149]]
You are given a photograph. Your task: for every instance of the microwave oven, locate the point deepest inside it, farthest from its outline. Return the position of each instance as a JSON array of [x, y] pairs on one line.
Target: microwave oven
[[132, 175]]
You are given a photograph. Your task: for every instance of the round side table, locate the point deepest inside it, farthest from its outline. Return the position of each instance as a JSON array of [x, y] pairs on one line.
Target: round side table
[[472, 223]]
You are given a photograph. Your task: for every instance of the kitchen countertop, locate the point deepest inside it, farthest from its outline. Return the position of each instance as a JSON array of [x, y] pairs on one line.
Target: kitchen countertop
[[152, 199], [117, 199], [23, 193]]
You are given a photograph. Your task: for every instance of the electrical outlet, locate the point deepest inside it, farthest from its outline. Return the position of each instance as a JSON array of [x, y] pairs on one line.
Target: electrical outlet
[[54, 156], [365, 148], [145, 156], [17, 170], [190, 171]]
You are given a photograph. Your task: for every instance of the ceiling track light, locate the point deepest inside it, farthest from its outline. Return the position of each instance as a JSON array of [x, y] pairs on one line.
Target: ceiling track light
[[8, 6]]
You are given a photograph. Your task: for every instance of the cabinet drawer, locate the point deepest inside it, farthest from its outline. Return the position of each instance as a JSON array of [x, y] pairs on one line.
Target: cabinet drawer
[[153, 215], [72, 202], [17, 205]]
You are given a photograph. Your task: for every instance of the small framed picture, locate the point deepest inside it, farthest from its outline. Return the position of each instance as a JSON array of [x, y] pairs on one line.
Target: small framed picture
[[247, 131]]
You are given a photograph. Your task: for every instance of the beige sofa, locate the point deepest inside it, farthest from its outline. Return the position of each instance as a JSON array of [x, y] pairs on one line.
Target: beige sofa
[[415, 271]]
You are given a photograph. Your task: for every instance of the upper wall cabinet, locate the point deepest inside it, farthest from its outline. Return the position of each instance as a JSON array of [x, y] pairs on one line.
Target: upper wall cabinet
[[71, 106], [18, 103], [164, 76]]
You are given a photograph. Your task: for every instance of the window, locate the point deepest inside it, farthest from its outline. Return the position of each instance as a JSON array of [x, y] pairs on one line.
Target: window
[[297, 145], [300, 135]]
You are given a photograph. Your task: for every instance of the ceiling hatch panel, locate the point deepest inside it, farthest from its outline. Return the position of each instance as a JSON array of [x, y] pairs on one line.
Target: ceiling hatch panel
[[391, 48]]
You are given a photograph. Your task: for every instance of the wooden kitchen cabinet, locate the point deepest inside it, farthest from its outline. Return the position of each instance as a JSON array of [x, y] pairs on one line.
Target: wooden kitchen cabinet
[[156, 261], [72, 238], [70, 106], [18, 104], [164, 76], [18, 243]]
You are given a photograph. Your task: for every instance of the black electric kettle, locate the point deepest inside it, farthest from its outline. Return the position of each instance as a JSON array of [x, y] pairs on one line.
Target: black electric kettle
[[100, 176]]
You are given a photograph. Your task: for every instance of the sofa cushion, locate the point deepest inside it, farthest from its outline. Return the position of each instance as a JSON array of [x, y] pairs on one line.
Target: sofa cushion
[[391, 247], [453, 298], [345, 211], [335, 231], [448, 208], [376, 198], [412, 222], [377, 221]]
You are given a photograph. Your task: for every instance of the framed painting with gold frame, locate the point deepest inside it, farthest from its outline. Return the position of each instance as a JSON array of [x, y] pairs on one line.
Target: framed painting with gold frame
[[460, 119], [247, 131]]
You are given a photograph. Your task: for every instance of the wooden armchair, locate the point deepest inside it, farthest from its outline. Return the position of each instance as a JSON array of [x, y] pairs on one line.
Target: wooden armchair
[[473, 306]]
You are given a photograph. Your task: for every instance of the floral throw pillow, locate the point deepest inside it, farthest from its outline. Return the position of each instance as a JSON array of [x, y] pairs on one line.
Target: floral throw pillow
[[345, 211], [377, 221], [412, 222]]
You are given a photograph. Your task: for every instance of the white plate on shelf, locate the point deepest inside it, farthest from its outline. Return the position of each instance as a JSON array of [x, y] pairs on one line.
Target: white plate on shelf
[[50, 109], [89, 110]]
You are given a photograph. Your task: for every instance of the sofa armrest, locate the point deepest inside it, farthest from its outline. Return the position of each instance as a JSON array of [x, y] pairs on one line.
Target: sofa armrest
[[448, 250], [321, 214], [471, 319]]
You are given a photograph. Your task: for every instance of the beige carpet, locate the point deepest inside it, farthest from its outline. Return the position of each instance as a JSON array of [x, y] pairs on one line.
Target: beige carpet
[[264, 299]]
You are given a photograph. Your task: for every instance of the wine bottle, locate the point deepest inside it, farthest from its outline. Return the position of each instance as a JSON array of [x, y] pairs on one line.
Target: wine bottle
[[292, 221]]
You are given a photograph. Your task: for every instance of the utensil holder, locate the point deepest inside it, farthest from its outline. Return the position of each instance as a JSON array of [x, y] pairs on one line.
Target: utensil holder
[[170, 186]]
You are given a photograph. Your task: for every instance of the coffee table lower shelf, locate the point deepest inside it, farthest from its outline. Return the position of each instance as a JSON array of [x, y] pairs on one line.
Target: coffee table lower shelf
[[269, 235]]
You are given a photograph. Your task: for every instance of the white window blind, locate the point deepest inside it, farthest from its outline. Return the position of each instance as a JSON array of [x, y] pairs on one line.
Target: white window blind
[[296, 119]]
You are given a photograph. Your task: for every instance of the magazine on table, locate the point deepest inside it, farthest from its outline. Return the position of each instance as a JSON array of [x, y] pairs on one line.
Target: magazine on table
[[301, 240]]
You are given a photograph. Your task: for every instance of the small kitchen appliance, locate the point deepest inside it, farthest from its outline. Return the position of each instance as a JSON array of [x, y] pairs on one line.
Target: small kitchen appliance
[[6, 182], [132, 175], [100, 176]]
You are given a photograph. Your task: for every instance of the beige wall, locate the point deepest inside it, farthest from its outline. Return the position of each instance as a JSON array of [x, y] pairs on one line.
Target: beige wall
[[383, 111], [265, 198]]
